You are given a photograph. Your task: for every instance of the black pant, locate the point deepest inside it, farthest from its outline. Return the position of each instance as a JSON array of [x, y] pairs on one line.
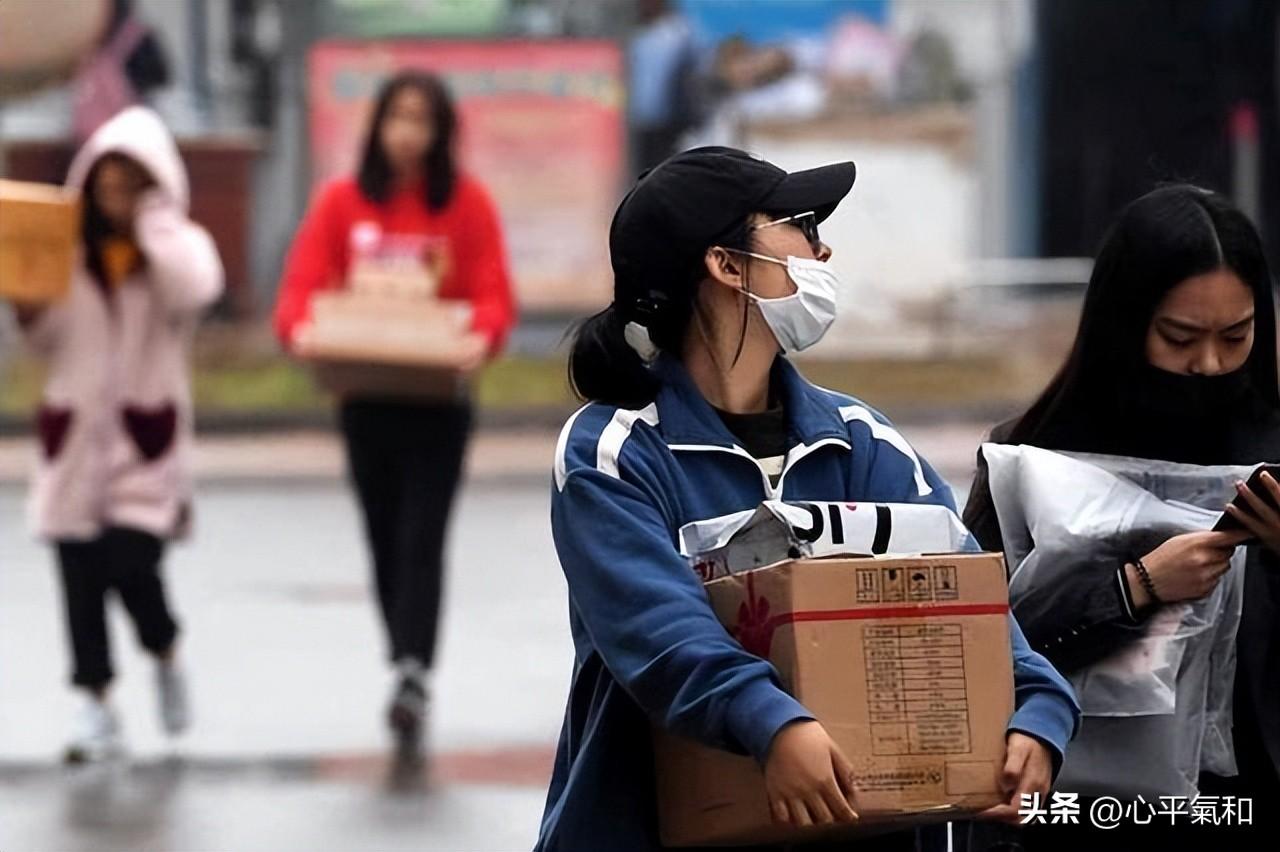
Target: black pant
[[128, 562], [406, 461]]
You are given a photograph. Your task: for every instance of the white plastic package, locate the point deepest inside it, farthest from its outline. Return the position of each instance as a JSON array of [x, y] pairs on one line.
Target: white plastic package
[[774, 531], [1158, 709]]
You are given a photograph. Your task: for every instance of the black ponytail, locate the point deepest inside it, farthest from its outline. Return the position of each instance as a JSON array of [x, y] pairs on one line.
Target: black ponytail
[[603, 366]]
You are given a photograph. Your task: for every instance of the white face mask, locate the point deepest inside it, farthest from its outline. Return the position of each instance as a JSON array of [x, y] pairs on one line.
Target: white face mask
[[801, 319]]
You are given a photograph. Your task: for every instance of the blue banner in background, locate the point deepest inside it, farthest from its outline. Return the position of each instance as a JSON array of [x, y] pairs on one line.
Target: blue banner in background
[[775, 20]]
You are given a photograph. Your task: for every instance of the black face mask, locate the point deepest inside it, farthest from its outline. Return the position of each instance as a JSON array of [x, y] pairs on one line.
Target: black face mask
[[1197, 398]]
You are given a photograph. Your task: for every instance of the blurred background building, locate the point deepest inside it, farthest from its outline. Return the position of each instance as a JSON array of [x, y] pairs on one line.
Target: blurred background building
[[994, 138]]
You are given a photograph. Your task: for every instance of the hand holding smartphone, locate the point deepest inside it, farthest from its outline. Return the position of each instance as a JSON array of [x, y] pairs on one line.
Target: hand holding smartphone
[[1266, 499]]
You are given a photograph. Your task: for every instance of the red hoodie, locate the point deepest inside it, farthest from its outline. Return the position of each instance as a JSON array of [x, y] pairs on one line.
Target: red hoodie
[[466, 229]]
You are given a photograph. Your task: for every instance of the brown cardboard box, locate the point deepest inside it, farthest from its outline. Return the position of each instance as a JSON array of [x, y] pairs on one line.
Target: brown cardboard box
[[355, 326], [394, 381], [907, 663], [39, 231], [375, 344], [396, 279]]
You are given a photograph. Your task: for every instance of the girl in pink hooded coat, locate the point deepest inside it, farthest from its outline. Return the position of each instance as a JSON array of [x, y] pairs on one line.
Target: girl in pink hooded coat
[[112, 484]]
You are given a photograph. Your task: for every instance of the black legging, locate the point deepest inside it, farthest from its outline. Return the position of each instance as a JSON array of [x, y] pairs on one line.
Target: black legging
[[406, 460], [128, 561]]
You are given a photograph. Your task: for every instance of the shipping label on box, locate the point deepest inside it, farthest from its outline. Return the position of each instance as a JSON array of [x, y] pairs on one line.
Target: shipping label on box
[[905, 661]]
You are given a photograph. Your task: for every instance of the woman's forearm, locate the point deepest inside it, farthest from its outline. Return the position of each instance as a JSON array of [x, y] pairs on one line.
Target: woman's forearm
[[1080, 616]]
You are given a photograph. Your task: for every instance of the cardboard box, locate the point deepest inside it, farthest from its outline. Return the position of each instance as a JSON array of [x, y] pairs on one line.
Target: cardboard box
[[388, 381], [352, 326], [427, 317], [39, 238], [404, 278], [375, 344], [906, 661]]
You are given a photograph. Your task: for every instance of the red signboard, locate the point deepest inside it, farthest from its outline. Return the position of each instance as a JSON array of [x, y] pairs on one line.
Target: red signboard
[[542, 127]]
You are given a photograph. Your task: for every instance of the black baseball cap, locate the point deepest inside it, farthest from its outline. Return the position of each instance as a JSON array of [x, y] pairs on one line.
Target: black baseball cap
[[682, 206]]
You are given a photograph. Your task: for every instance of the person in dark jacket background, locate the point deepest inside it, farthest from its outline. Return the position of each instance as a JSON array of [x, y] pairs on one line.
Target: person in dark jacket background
[[1175, 359], [693, 413]]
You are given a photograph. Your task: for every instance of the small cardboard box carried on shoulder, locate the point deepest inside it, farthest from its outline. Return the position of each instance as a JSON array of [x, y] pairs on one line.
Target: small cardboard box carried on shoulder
[[904, 659], [39, 232]]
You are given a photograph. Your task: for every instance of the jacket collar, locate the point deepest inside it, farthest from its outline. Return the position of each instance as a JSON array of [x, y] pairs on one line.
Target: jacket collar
[[687, 418]]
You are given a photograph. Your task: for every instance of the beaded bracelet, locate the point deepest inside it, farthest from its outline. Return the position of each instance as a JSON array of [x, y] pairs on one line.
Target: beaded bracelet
[[1145, 579]]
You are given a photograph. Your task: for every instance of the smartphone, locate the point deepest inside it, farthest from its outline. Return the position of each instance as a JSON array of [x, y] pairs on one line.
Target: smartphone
[[1226, 523]]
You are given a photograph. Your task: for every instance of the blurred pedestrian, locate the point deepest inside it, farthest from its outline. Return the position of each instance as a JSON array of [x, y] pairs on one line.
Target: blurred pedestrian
[[126, 66], [405, 455], [695, 412], [663, 100], [1175, 359], [115, 424]]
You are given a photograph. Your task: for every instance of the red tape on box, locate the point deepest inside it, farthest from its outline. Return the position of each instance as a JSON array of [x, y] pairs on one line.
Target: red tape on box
[[755, 627]]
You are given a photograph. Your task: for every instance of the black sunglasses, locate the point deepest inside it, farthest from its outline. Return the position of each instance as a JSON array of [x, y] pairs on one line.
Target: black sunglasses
[[807, 222]]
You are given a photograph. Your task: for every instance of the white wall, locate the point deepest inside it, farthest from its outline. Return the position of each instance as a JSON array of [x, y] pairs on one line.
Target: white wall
[[908, 219], [990, 38]]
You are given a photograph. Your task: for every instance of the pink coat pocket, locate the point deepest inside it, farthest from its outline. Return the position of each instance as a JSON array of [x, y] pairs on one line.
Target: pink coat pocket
[[152, 429], [53, 423]]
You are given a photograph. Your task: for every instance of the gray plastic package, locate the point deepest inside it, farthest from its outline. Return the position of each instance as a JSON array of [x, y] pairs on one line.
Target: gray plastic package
[[1157, 711]]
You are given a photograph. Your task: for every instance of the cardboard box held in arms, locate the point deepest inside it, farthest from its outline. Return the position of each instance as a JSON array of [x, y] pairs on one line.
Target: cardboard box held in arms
[[905, 660], [387, 335], [39, 234]]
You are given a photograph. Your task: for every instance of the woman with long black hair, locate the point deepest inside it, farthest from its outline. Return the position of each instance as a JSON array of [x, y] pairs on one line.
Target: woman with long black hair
[[694, 412], [410, 199], [1175, 359]]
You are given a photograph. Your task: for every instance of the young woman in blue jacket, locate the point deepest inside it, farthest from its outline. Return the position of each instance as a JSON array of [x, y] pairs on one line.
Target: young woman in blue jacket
[[694, 411]]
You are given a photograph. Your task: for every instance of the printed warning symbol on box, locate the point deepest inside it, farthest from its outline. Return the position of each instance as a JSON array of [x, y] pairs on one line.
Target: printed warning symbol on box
[[919, 584], [893, 585], [945, 587], [868, 585]]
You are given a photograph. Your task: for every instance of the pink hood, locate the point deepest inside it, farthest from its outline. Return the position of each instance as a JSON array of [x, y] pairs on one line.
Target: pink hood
[[138, 133]]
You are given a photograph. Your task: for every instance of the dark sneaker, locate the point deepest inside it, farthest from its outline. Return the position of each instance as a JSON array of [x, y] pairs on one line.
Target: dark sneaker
[[407, 716]]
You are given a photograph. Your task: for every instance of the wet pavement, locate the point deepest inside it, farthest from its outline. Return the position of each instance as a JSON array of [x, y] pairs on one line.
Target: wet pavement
[[171, 805], [285, 655]]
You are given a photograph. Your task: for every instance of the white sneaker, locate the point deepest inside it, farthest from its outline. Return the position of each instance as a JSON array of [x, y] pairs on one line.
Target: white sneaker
[[174, 702], [95, 733]]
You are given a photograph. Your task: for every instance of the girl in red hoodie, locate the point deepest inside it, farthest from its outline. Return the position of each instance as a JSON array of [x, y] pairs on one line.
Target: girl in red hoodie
[[405, 455]]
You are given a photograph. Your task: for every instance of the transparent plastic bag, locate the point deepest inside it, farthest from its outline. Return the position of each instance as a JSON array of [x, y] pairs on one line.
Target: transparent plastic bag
[[1157, 710]]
